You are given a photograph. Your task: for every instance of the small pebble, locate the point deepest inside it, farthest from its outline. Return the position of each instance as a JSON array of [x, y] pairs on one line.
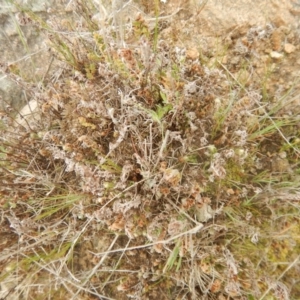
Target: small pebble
[[276, 55], [289, 48]]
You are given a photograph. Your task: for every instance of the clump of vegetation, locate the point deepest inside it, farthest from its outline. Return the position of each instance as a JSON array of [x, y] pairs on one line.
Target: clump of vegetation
[[148, 173]]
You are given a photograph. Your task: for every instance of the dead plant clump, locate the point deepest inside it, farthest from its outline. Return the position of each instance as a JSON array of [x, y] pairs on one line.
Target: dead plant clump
[[150, 174]]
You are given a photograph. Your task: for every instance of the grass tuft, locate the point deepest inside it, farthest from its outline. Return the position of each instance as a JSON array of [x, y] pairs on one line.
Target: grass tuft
[[149, 172]]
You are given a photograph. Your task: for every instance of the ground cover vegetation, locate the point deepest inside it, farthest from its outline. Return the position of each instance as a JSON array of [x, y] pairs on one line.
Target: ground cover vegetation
[[150, 171]]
